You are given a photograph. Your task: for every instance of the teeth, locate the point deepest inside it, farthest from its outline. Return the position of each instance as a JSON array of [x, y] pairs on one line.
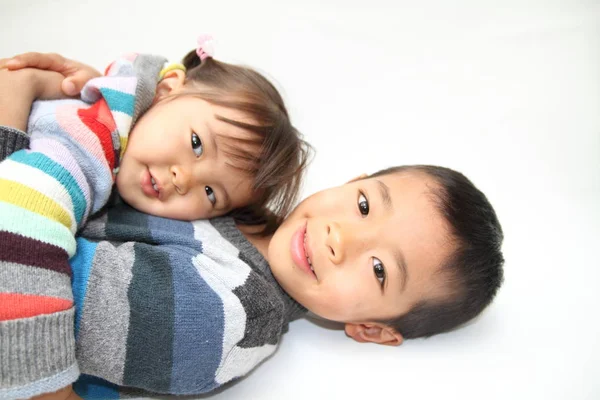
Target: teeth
[[306, 254], [155, 187], [153, 181]]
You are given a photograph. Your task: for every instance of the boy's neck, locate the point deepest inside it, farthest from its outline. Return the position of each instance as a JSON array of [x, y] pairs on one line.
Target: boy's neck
[[260, 242]]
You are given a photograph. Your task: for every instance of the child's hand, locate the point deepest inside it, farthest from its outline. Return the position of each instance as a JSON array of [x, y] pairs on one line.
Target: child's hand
[[76, 74], [19, 89]]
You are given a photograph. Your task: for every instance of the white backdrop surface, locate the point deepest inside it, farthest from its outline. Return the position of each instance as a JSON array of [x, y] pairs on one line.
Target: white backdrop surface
[[507, 92]]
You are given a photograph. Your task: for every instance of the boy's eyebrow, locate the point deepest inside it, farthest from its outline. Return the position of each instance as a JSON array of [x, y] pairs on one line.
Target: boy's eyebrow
[[384, 191], [401, 263], [386, 199]]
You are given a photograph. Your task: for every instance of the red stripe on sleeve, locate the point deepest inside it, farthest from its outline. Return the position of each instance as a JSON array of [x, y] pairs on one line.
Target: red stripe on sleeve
[[17, 305], [99, 120]]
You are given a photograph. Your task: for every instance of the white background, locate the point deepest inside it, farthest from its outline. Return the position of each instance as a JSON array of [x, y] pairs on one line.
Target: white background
[[507, 92]]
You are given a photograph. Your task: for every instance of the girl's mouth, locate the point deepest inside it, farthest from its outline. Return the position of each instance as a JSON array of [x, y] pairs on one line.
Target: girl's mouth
[[149, 185]]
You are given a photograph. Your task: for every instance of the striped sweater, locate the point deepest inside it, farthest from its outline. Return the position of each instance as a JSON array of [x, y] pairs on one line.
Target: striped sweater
[[192, 306], [163, 306]]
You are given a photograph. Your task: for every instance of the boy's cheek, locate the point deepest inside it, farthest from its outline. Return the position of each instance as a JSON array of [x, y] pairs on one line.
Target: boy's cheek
[[330, 201], [339, 301]]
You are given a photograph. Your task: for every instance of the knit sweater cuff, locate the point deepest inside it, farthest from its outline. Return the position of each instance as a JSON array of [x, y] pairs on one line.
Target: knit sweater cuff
[[37, 355], [11, 140]]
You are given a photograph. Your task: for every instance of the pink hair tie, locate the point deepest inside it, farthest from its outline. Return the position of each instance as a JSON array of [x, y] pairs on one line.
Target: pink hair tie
[[206, 47]]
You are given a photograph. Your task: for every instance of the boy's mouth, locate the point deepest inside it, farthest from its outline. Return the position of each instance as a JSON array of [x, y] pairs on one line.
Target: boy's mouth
[[300, 251], [306, 254]]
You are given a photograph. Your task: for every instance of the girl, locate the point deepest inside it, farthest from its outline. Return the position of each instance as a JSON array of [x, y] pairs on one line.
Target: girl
[[207, 139]]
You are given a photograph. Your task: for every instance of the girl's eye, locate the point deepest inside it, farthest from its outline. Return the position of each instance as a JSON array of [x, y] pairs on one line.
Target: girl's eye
[[363, 205], [197, 145], [210, 194], [379, 271]]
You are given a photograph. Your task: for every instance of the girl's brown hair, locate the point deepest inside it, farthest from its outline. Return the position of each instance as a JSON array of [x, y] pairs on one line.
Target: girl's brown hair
[[276, 155]]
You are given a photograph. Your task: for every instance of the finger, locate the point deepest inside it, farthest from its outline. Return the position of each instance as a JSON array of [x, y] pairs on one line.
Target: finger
[[48, 61], [72, 85], [69, 87], [7, 62]]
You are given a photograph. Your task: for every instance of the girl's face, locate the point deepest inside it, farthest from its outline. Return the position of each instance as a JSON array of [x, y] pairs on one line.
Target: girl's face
[[174, 165]]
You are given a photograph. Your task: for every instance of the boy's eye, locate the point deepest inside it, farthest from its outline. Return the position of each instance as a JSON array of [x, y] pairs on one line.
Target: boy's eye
[[197, 145], [210, 194], [379, 271], [363, 205]]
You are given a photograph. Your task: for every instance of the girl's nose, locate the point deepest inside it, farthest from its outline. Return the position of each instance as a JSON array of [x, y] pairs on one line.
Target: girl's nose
[[181, 179]]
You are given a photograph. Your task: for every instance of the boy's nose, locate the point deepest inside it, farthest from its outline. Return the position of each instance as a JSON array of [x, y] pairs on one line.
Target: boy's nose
[[181, 179], [335, 243]]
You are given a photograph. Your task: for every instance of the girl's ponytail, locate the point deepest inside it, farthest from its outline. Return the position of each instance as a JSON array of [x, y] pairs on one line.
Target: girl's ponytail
[[204, 52], [191, 60]]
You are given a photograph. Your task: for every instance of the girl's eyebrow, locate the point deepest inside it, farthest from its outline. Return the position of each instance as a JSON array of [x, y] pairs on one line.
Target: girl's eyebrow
[[213, 137], [226, 202]]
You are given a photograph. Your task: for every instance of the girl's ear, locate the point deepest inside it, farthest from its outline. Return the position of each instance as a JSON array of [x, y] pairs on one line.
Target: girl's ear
[[171, 83], [374, 333]]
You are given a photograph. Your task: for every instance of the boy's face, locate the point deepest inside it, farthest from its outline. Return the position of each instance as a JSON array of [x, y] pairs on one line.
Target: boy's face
[[375, 246], [174, 165]]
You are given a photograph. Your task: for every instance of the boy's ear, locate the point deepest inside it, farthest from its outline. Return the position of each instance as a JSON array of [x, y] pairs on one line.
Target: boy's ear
[[374, 333], [170, 83], [358, 178]]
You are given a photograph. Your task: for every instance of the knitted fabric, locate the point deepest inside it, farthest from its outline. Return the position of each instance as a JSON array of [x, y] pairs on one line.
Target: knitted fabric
[[192, 305], [46, 194], [12, 140]]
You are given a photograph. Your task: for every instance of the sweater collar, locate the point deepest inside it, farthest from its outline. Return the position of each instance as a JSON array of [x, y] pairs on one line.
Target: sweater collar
[[249, 253]]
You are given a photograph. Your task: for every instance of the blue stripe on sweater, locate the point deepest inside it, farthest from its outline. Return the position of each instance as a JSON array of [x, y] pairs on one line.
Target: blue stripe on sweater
[[198, 312], [119, 101], [173, 232], [201, 317], [91, 388], [50, 167], [81, 264]]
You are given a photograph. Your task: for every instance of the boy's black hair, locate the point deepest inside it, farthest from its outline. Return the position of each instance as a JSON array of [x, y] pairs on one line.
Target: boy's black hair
[[474, 271]]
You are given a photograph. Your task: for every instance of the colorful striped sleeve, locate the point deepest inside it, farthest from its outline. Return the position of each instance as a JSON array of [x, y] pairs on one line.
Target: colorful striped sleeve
[[47, 193]]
